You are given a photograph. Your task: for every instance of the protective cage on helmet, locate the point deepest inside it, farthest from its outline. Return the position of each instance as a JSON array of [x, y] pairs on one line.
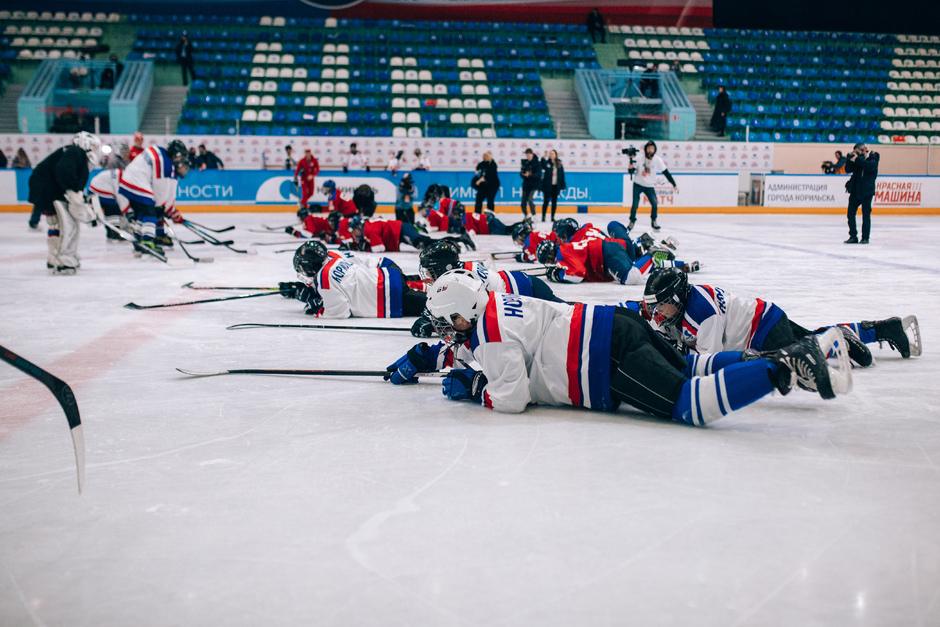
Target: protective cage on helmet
[[666, 286], [309, 259], [179, 156], [546, 252], [437, 259], [566, 228], [456, 293], [520, 231]]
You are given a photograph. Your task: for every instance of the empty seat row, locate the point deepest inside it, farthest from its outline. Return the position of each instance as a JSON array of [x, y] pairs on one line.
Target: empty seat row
[[49, 42], [683, 31], [912, 112], [60, 16], [53, 31]]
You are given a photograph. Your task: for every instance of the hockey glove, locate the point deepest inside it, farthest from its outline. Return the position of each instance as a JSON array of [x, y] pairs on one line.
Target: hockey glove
[[463, 384], [314, 306], [422, 328], [363, 245], [174, 214], [295, 232], [308, 293], [555, 274], [290, 289], [420, 358], [345, 169]]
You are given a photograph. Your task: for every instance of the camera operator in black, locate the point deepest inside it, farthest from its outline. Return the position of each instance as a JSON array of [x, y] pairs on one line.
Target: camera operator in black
[[828, 167], [531, 173], [863, 166], [650, 165]]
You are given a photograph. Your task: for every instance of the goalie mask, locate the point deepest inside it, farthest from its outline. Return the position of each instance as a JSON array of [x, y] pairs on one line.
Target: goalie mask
[[456, 294], [179, 156], [666, 286], [437, 259], [89, 143]]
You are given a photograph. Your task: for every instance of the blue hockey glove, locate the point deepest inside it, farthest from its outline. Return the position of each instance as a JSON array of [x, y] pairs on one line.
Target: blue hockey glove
[[420, 358], [314, 306], [464, 383]]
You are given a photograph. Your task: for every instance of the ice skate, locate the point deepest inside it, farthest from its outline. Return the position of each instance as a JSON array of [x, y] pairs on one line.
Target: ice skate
[[65, 270], [892, 331], [858, 352], [655, 225], [467, 240], [631, 224], [163, 240], [692, 266], [806, 362]]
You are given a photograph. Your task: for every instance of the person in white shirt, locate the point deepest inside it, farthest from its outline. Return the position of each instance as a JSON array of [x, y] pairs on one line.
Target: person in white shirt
[[644, 182], [355, 160], [395, 163], [421, 160]]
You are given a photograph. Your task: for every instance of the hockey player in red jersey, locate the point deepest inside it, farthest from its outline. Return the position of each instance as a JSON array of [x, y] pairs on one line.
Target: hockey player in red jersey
[[387, 236], [306, 172], [600, 261], [532, 351], [335, 200]]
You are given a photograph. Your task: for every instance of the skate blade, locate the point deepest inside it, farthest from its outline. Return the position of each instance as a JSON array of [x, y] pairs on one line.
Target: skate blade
[[832, 343], [912, 328]]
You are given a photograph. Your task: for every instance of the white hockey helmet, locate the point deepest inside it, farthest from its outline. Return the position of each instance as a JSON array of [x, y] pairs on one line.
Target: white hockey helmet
[[456, 293], [87, 142]]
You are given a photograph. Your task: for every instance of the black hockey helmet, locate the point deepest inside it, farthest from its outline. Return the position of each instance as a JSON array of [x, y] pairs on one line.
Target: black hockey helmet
[[547, 252], [356, 222], [438, 258], [309, 259], [179, 156], [521, 231], [364, 199], [457, 210], [565, 228], [432, 194], [334, 218], [667, 286]]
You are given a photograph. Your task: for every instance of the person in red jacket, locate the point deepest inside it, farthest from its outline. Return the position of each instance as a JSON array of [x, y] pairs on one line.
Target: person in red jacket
[[306, 172], [138, 146]]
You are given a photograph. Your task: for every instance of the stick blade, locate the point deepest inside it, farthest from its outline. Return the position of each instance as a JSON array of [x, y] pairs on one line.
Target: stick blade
[[134, 306], [180, 263], [247, 325], [193, 373], [78, 443]]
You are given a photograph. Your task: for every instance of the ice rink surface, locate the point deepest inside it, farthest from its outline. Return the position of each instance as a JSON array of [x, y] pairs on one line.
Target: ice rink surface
[[262, 500]]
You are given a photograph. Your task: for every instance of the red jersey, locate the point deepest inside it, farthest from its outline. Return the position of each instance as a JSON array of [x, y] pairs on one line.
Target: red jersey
[[438, 220], [477, 223], [318, 226], [338, 203], [308, 167], [382, 235], [588, 231], [134, 151], [342, 232], [583, 261], [532, 242]]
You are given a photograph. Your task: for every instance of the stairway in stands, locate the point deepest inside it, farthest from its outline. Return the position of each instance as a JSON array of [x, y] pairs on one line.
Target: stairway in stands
[[165, 102], [703, 118], [566, 113], [8, 108]]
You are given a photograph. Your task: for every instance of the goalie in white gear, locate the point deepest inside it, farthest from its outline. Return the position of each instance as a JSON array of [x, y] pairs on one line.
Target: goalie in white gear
[[56, 187]]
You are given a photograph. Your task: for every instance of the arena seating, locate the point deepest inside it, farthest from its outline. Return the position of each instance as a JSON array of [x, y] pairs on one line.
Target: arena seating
[[282, 76], [47, 35]]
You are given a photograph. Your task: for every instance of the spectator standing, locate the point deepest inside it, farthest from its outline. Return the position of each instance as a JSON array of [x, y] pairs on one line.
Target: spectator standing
[[595, 24], [863, 166], [355, 160], [553, 181], [404, 201], [486, 182], [421, 161], [184, 54], [722, 109], [531, 173], [395, 163], [207, 160], [3, 160], [306, 171], [644, 182], [676, 68], [289, 163], [138, 146], [649, 83], [111, 75], [21, 161]]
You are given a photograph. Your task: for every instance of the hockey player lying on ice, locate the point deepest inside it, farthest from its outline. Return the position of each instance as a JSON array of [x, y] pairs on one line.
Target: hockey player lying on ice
[[706, 319], [535, 351]]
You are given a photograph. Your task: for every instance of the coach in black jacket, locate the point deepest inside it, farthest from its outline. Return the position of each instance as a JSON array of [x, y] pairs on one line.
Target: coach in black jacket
[[863, 166]]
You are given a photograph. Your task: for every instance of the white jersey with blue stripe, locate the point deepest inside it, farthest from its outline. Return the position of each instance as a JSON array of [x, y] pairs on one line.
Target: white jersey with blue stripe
[[150, 179], [351, 286], [106, 185], [502, 281], [537, 351], [716, 320]]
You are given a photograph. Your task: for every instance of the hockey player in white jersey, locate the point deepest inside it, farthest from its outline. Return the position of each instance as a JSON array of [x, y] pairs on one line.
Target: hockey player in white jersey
[[342, 285], [535, 351], [150, 183], [106, 186], [707, 319]]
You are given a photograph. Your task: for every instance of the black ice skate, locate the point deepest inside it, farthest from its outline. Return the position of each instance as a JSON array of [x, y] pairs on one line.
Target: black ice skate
[[655, 225], [631, 224], [858, 352], [893, 331], [806, 362]]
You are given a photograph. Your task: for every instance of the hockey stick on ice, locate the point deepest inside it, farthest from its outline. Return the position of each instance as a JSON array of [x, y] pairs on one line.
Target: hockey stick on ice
[[206, 228], [183, 248], [214, 287], [506, 254], [196, 302], [137, 246], [215, 241], [63, 394], [316, 373], [348, 327]]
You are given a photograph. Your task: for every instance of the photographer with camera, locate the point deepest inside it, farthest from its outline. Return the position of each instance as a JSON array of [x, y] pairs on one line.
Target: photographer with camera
[[486, 183], [531, 173], [645, 180], [828, 167], [863, 166]]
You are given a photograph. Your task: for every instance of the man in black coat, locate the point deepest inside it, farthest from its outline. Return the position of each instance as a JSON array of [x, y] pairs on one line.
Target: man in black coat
[[722, 109], [184, 54], [595, 24], [207, 160], [531, 173], [863, 166]]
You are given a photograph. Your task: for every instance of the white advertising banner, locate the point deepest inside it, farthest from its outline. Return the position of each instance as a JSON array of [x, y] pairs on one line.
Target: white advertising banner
[[820, 190], [7, 187], [694, 190]]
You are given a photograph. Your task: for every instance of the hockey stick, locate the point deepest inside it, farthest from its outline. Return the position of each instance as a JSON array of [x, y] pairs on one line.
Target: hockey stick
[[206, 228], [63, 394], [196, 302], [536, 272], [138, 246], [315, 373], [349, 327], [214, 241], [507, 254], [183, 248], [276, 229], [213, 287], [272, 243]]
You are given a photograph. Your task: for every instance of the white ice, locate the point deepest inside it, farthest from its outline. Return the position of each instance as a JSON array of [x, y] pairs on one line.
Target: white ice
[[264, 500]]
